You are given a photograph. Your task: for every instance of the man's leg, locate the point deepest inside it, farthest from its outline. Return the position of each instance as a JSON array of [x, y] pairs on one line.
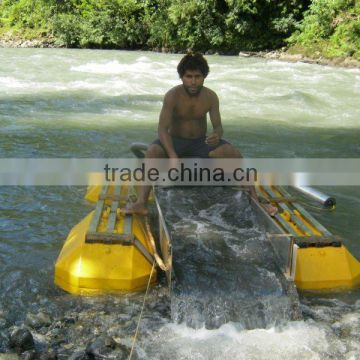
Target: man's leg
[[225, 151], [230, 151], [140, 206]]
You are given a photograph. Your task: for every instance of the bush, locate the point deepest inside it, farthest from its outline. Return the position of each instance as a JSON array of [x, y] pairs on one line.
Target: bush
[[102, 24], [182, 24], [331, 28], [26, 14], [67, 29], [261, 24], [229, 25]]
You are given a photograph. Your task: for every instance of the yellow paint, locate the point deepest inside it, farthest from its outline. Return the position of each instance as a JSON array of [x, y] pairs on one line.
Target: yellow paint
[[326, 268], [88, 269]]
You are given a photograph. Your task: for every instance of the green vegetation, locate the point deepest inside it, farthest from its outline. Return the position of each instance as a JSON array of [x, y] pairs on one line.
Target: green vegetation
[[330, 28], [219, 25], [25, 18], [319, 27]]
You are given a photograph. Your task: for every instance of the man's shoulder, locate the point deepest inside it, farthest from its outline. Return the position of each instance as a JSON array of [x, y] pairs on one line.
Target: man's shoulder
[[173, 92], [208, 90], [211, 94], [175, 89]]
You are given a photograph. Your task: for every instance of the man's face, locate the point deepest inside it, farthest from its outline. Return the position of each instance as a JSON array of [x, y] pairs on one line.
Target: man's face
[[193, 81]]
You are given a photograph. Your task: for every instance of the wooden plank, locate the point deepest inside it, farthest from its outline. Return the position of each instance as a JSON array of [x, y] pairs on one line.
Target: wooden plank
[[107, 238], [97, 216], [128, 221], [104, 191], [317, 241], [112, 217]]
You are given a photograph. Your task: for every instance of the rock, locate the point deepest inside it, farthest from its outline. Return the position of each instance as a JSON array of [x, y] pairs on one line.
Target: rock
[[2, 322], [49, 355], [4, 341], [337, 61], [70, 319], [125, 317], [28, 355], [291, 57], [101, 346], [123, 352], [78, 355], [21, 339], [244, 54], [351, 63], [37, 321], [9, 357], [271, 55]]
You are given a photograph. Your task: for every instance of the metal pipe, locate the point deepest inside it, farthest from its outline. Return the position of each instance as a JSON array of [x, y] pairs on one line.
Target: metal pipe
[[326, 200]]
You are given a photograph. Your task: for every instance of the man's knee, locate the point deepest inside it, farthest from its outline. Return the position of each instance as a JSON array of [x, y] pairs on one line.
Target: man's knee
[[155, 151], [225, 151]]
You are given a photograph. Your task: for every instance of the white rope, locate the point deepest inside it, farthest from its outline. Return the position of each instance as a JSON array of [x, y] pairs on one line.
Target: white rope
[[141, 313]]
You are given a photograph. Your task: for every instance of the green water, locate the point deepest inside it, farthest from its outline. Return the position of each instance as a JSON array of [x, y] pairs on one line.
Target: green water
[[83, 103]]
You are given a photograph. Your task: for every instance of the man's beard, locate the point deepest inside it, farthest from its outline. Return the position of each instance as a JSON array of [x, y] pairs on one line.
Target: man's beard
[[195, 93]]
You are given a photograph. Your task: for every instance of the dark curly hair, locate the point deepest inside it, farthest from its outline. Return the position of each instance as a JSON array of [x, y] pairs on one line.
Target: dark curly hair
[[193, 62]]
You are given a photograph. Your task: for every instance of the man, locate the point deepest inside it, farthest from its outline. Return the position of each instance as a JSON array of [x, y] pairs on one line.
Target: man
[[182, 125]]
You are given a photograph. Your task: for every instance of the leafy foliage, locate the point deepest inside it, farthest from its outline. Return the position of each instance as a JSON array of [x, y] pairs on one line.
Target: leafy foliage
[[330, 28], [26, 14], [259, 24], [101, 24]]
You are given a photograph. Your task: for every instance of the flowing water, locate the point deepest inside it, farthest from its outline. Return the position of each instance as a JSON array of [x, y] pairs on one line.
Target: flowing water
[[81, 103], [224, 269]]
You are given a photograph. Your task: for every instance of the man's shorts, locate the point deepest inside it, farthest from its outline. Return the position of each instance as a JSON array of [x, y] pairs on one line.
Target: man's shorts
[[197, 148]]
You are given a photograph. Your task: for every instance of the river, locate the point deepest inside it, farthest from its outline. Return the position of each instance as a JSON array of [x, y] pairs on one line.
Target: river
[[60, 103]]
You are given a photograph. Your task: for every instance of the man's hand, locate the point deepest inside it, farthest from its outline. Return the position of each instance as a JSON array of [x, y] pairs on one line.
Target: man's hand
[[173, 162], [173, 155], [213, 139]]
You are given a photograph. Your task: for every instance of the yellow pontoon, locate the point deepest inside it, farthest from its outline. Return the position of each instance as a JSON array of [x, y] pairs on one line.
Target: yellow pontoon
[[106, 251], [307, 252]]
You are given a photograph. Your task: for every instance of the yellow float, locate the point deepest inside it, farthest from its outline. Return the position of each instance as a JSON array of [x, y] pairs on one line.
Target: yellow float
[[308, 253], [106, 251]]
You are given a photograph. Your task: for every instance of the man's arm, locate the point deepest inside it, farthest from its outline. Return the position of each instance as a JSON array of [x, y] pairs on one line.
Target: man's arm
[[165, 123], [214, 138]]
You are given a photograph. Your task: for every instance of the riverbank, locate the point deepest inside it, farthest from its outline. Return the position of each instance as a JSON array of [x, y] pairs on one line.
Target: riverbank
[[290, 56], [7, 41]]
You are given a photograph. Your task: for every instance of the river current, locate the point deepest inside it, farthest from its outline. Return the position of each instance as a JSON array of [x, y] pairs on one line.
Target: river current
[[58, 103]]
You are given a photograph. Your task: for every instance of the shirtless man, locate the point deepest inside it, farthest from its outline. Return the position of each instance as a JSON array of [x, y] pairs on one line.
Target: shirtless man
[[182, 125]]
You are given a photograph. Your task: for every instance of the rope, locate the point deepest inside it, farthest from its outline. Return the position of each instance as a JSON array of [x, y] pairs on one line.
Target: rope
[[157, 260], [141, 312]]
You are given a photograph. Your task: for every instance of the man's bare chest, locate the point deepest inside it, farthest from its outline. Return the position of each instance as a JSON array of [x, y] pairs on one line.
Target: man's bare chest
[[193, 110]]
